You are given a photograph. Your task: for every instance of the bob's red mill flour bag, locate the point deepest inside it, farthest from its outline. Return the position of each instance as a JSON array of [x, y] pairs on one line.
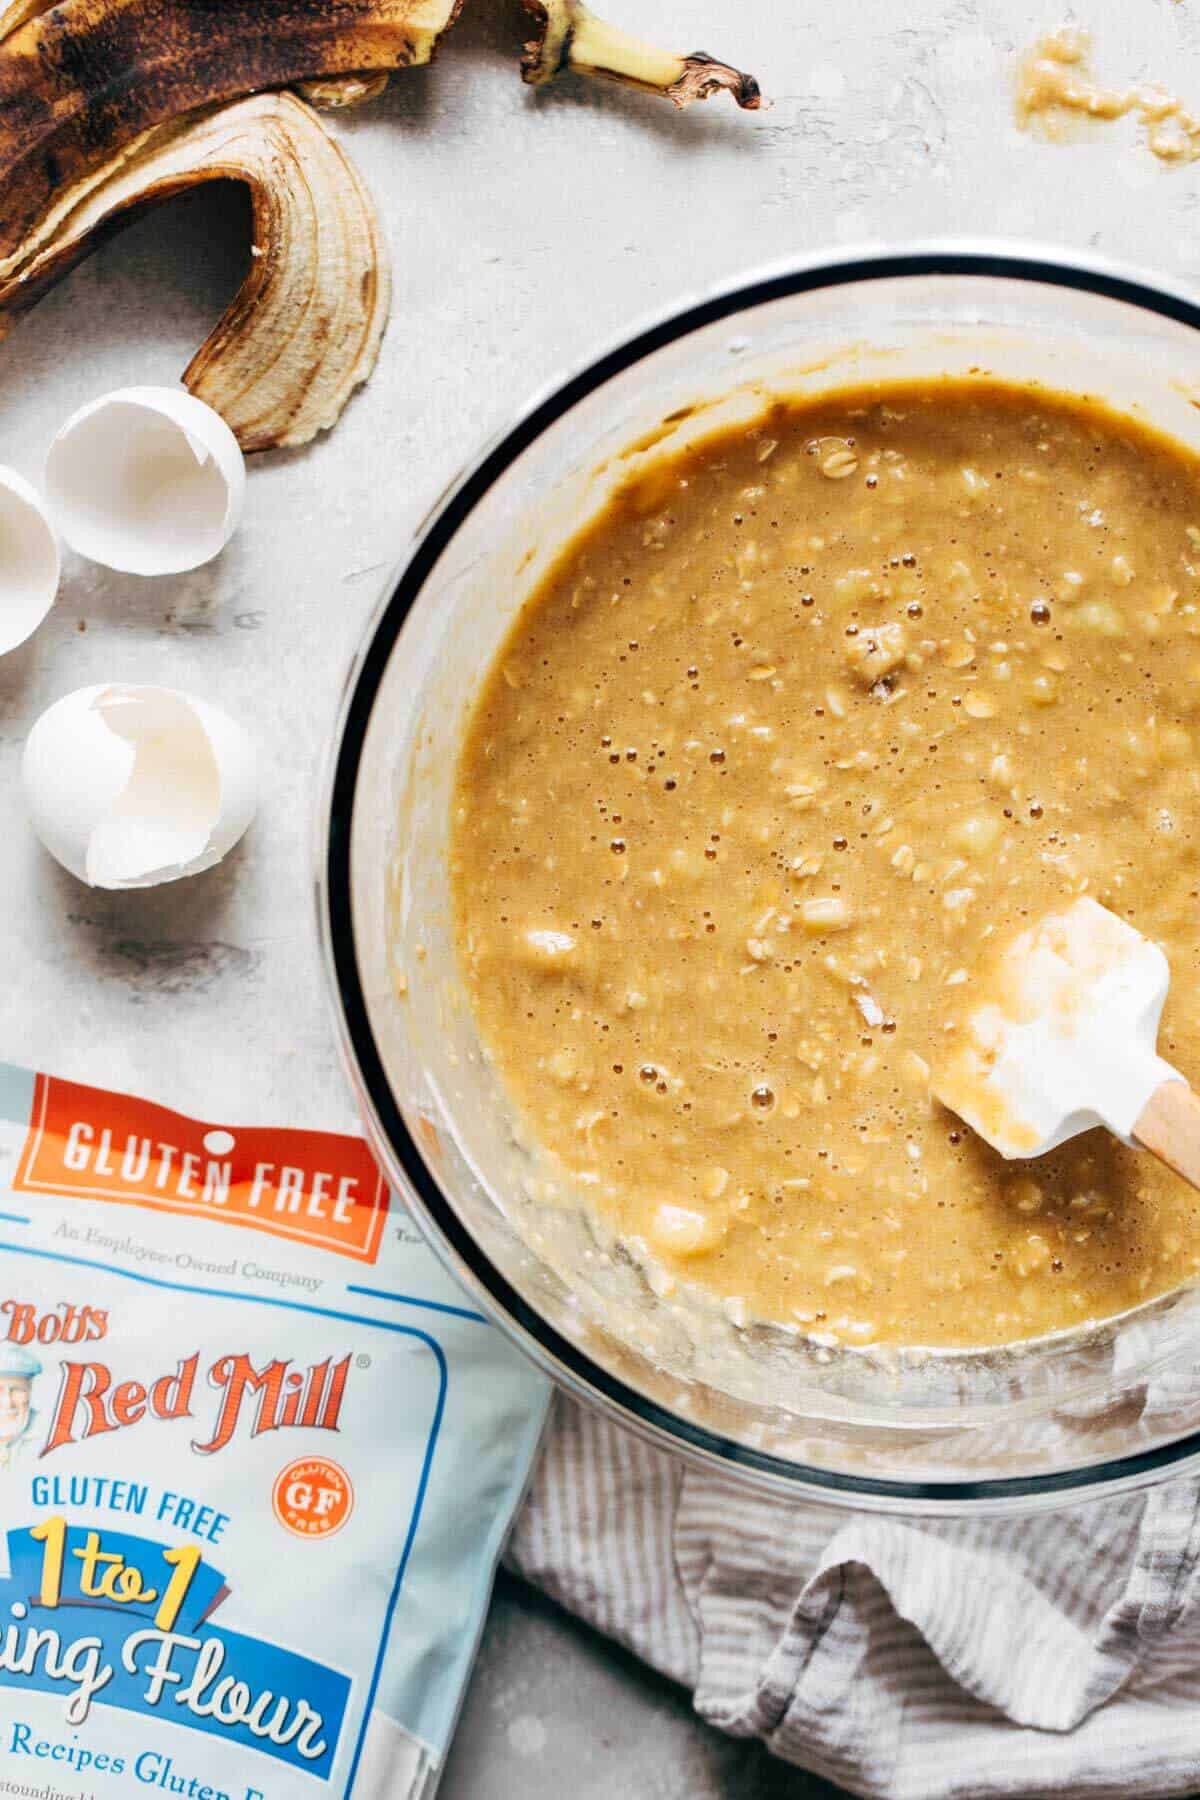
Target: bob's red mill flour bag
[[257, 1459]]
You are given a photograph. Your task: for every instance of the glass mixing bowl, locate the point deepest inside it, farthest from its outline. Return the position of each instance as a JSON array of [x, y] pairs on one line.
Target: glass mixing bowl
[[1044, 1423]]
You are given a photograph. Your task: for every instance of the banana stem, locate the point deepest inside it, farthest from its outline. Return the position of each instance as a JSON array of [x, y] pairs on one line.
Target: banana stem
[[572, 37]]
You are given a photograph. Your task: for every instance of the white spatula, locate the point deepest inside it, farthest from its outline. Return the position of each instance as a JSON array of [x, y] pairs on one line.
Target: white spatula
[[1058, 1035]]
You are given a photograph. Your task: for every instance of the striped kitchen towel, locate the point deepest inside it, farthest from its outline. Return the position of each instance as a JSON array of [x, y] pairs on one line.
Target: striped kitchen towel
[[1052, 1655]]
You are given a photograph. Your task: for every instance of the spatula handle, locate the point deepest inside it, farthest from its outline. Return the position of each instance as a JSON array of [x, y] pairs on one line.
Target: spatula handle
[[1169, 1126]]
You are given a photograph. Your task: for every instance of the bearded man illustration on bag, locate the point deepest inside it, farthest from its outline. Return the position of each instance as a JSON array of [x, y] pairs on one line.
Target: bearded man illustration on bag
[[17, 1416]]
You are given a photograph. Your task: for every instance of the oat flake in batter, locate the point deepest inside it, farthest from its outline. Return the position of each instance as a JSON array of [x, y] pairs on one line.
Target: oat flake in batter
[[788, 732]]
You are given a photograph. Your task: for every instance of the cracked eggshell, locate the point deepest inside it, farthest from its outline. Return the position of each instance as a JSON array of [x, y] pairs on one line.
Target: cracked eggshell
[[29, 561], [146, 480], [131, 786]]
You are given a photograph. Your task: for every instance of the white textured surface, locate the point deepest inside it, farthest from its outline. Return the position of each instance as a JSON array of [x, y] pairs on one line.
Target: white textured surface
[[526, 229]]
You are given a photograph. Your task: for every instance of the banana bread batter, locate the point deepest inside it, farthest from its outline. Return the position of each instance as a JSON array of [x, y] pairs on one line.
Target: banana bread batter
[[789, 731]]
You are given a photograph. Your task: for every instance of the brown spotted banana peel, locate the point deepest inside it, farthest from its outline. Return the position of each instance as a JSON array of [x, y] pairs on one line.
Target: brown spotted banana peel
[[80, 81], [92, 90], [19, 12], [337, 92], [570, 36], [304, 329]]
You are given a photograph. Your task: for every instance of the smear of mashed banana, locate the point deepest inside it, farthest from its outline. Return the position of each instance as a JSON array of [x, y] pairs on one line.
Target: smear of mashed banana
[[1055, 84]]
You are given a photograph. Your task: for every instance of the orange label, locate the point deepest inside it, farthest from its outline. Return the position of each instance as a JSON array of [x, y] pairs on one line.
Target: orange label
[[313, 1497], [316, 1187]]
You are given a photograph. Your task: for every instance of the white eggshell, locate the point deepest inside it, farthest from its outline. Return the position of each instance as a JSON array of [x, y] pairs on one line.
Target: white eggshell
[[130, 786], [147, 480], [29, 561]]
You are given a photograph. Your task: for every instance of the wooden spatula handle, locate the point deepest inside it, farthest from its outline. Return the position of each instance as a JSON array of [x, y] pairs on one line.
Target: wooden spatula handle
[[1169, 1125]]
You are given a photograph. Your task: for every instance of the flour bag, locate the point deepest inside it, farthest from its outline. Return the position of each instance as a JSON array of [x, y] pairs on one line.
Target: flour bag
[[258, 1456]]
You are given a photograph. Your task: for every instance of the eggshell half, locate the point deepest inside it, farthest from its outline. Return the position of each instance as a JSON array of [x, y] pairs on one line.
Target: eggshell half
[[29, 560], [147, 480], [131, 786]]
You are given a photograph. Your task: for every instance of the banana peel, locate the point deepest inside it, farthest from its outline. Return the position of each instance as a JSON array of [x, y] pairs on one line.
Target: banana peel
[[304, 329], [337, 92], [80, 81], [19, 12], [570, 36], [109, 105]]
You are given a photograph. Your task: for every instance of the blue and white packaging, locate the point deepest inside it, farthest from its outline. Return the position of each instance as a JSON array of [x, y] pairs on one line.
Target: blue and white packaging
[[258, 1457]]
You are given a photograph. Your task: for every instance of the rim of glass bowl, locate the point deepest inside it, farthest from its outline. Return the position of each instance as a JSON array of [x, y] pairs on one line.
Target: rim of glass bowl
[[568, 1365]]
